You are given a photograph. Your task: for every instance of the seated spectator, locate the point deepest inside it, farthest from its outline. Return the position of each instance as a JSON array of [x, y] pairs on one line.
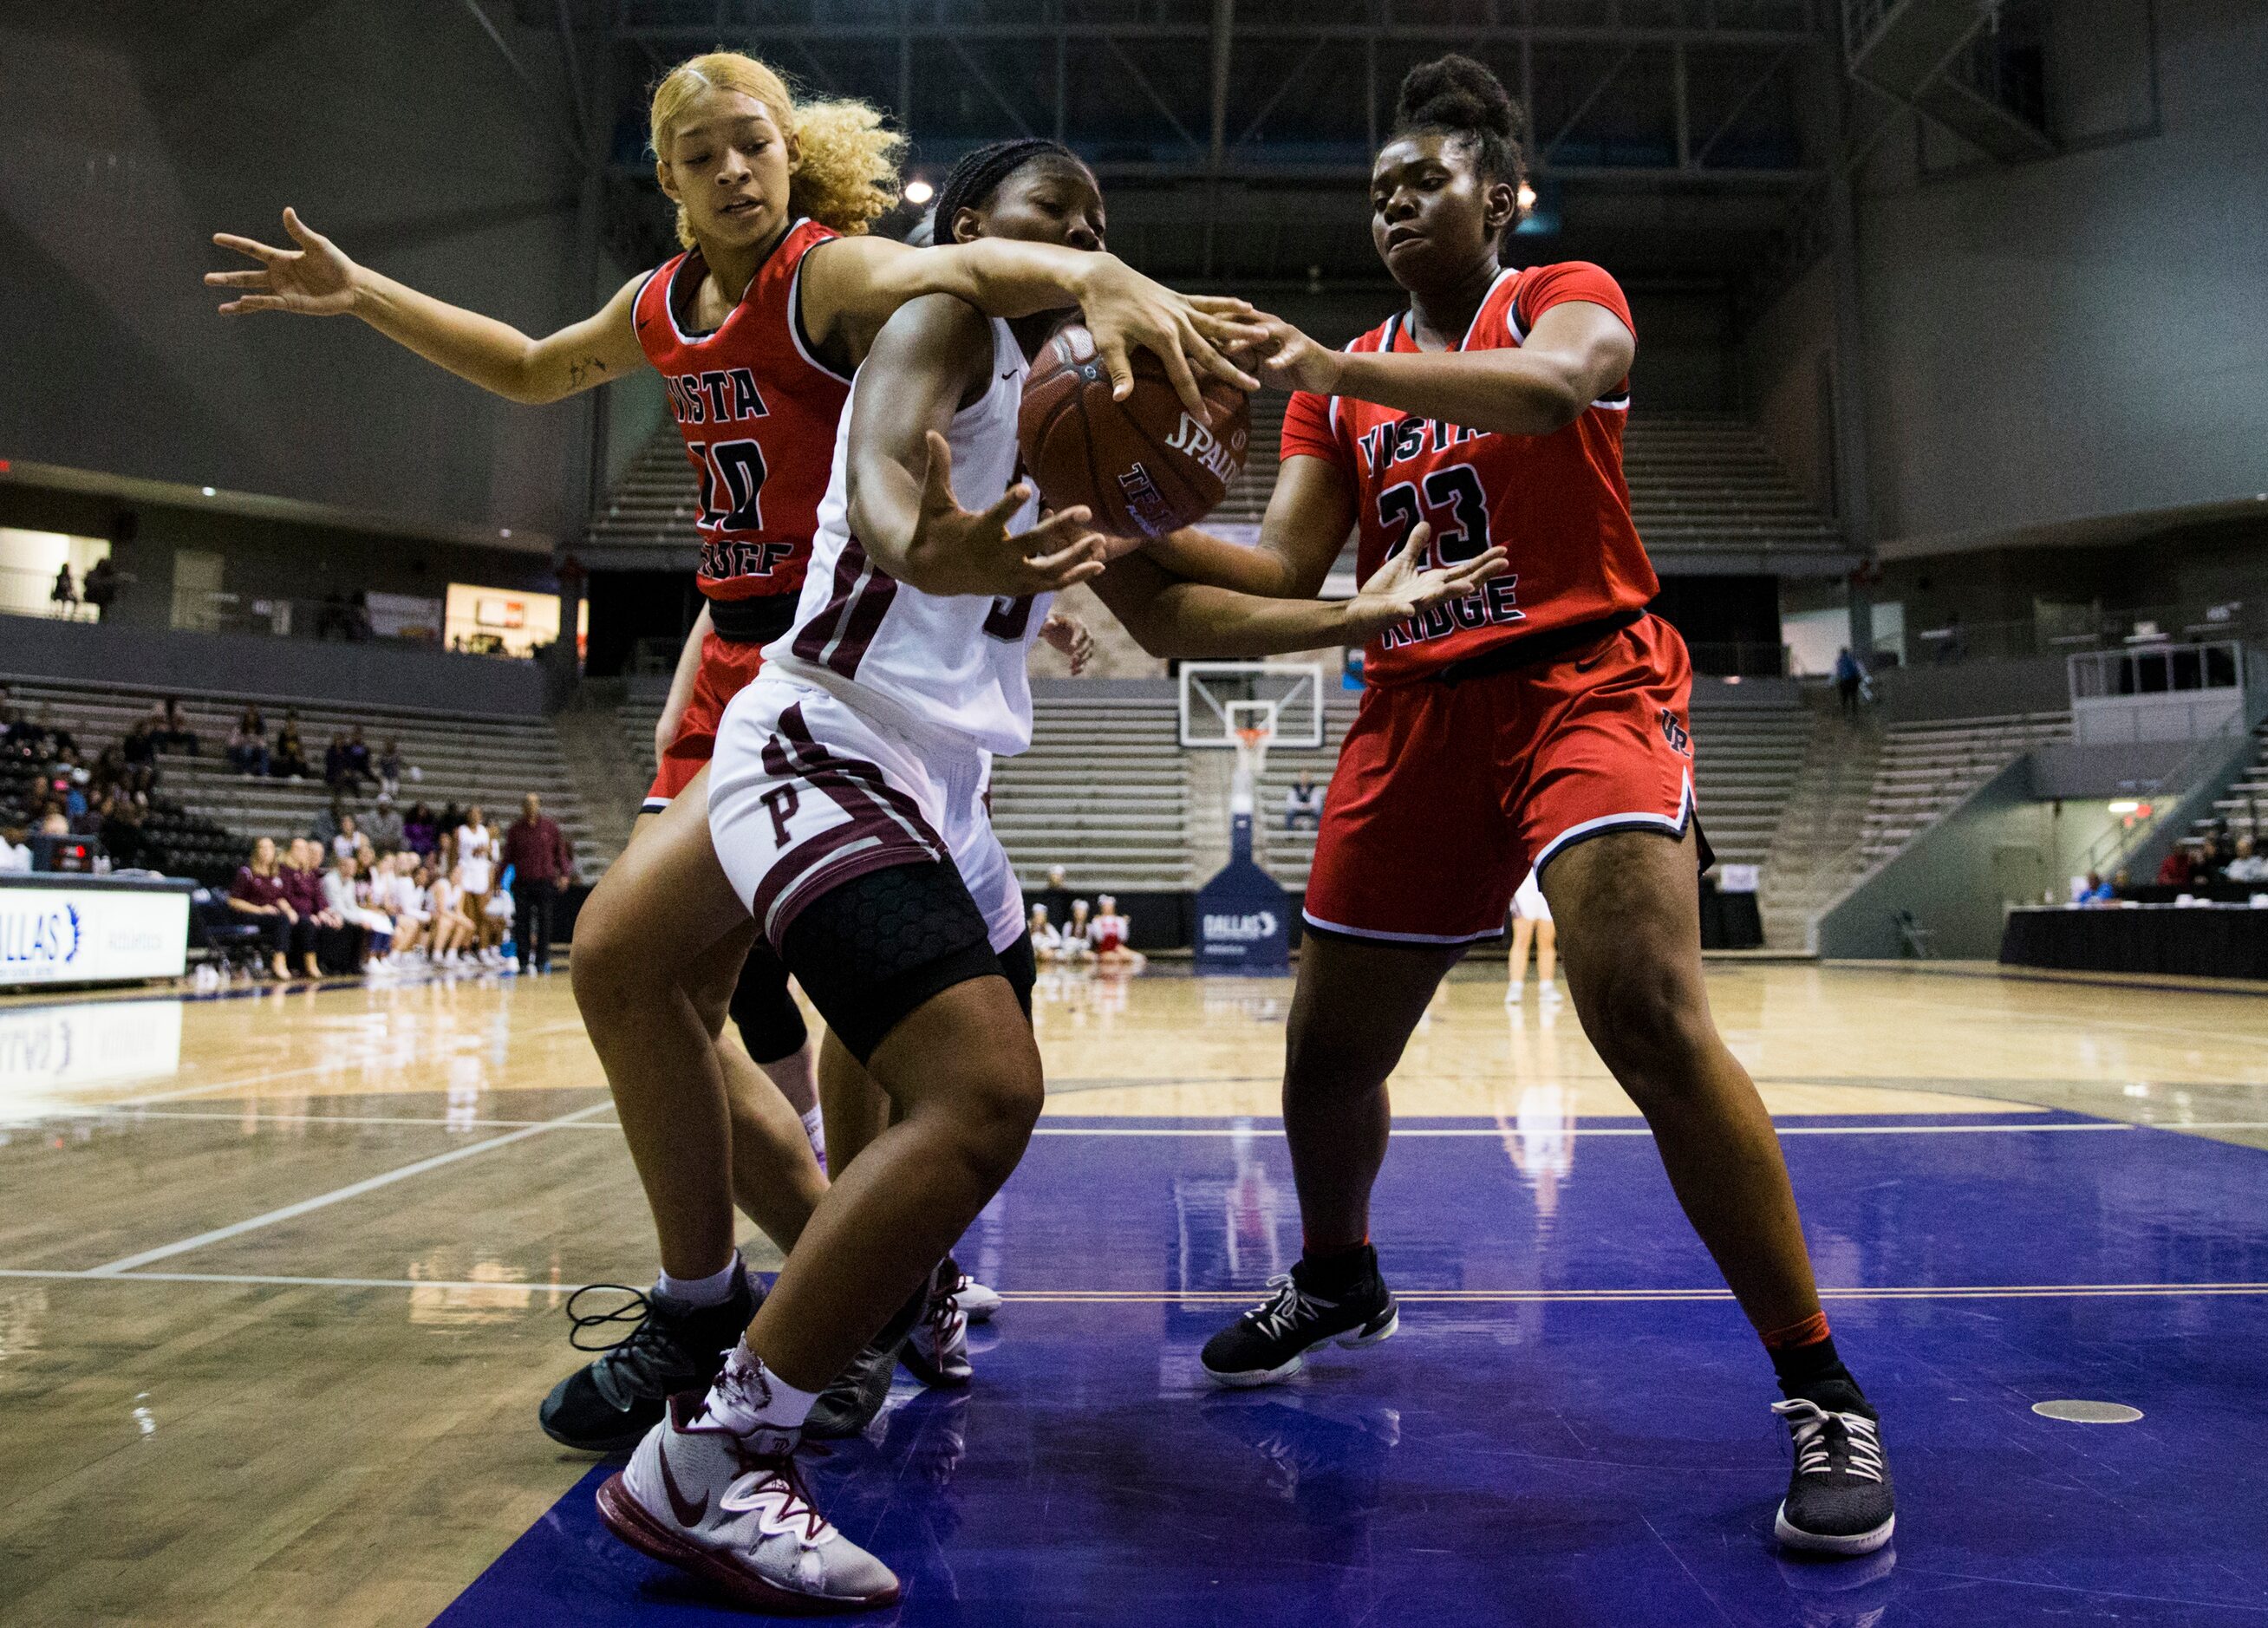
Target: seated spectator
[[347, 841], [2210, 857], [384, 826], [64, 594], [358, 754], [453, 927], [173, 733], [15, 853], [50, 821], [2180, 867], [247, 744], [2246, 866], [26, 735], [338, 764], [289, 760], [2095, 890], [420, 830], [1108, 932], [301, 874], [2121, 885], [100, 586], [327, 824], [389, 769], [1078, 946], [394, 891], [343, 899], [124, 837], [1303, 804], [257, 893], [1047, 943]]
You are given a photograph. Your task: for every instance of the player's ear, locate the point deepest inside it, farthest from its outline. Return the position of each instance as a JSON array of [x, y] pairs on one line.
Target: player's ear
[[967, 226], [1499, 204], [661, 178], [794, 152]]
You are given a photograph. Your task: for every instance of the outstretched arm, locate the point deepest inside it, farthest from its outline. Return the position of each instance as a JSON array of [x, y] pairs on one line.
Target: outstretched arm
[[851, 286], [1309, 515], [1171, 617], [319, 279], [934, 353], [1575, 354]]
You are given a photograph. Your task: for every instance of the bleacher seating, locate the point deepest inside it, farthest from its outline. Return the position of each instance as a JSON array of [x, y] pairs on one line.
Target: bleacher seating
[[1102, 793], [1697, 481], [2243, 806], [1926, 768], [489, 760]]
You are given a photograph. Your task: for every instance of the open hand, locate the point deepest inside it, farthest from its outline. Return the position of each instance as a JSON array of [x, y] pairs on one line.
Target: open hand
[[958, 552], [1069, 635], [1401, 588], [1126, 311], [316, 279]]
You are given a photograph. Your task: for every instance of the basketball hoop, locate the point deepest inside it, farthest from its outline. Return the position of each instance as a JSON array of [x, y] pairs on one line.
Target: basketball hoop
[[1253, 724]]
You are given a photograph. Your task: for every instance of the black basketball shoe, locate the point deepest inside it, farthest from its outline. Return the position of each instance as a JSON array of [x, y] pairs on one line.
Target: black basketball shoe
[[611, 1402], [1839, 1499], [1267, 1343], [845, 1408]]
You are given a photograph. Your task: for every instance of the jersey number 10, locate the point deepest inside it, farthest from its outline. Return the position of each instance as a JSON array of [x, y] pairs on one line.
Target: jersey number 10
[[1455, 506], [732, 485]]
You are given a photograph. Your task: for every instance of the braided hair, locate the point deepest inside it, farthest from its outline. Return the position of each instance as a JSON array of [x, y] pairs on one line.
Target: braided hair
[[979, 174], [1457, 97]]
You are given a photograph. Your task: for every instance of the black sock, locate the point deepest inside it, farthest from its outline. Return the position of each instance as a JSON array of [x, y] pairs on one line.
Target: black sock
[[1815, 1373], [1332, 1273]]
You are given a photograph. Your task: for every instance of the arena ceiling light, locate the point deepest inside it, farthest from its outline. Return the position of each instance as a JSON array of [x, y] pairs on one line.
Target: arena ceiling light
[[919, 192]]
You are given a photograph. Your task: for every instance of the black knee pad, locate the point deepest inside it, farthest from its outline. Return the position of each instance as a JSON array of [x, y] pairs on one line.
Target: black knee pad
[[771, 1024], [875, 948]]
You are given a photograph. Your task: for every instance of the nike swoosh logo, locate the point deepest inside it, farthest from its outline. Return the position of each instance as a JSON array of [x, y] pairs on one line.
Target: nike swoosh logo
[[689, 1512], [1012, 372]]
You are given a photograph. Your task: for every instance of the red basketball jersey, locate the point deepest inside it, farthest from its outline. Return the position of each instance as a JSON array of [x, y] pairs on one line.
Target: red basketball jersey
[[1556, 501], [758, 411]]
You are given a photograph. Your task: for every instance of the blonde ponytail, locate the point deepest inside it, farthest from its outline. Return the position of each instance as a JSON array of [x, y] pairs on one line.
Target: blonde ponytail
[[848, 172]]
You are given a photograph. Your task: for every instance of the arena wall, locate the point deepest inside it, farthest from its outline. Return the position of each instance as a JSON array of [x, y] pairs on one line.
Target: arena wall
[[123, 147], [2088, 335]]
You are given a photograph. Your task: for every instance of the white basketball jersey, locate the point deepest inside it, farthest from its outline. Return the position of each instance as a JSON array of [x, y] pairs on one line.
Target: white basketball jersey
[[921, 661]]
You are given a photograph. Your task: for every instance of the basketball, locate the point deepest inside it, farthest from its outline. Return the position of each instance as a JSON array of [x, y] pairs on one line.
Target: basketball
[[1143, 465]]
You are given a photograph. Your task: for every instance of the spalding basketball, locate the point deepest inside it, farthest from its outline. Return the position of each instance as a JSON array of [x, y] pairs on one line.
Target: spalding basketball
[[1142, 466]]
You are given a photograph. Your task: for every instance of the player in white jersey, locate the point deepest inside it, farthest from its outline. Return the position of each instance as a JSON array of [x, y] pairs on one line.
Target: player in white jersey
[[846, 815]]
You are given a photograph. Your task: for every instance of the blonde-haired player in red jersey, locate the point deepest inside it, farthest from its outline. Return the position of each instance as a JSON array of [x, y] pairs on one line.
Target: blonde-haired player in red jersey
[[1540, 722], [755, 328]]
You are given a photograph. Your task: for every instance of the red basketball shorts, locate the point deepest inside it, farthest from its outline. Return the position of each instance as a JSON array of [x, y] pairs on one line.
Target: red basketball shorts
[[726, 667], [1448, 792]]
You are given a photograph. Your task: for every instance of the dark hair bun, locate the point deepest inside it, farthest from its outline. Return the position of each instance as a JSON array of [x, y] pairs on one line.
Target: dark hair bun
[[1455, 92]]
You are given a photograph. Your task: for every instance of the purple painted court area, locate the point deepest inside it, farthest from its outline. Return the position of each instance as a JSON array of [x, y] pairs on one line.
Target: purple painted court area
[[1555, 1437]]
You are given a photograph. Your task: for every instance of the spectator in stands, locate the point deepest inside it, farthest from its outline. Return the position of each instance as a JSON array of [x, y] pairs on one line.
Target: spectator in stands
[[389, 769], [1849, 676], [301, 872], [384, 826], [64, 594], [26, 735], [338, 765], [1108, 933], [327, 824], [2246, 866], [2096, 891], [2212, 856], [173, 733], [289, 760], [1047, 943], [358, 756], [348, 840], [420, 830], [541, 862], [100, 586], [341, 900], [1303, 804], [140, 744], [2182, 868], [15, 853], [49, 820], [258, 893], [247, 744], [124, 837]]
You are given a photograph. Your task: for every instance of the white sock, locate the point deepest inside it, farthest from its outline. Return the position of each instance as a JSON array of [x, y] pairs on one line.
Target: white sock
[[714, 1290], [748, 1395], [815, 1126]]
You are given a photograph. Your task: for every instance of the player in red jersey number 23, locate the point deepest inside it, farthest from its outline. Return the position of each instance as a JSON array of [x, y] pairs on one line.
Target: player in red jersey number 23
[[1539, 724]]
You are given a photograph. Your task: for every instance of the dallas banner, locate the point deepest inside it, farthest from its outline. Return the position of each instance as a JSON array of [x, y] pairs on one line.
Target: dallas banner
[[91, 932]]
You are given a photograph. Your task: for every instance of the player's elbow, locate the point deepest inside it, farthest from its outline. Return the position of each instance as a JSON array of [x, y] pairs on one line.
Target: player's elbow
[[1558, 401]]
